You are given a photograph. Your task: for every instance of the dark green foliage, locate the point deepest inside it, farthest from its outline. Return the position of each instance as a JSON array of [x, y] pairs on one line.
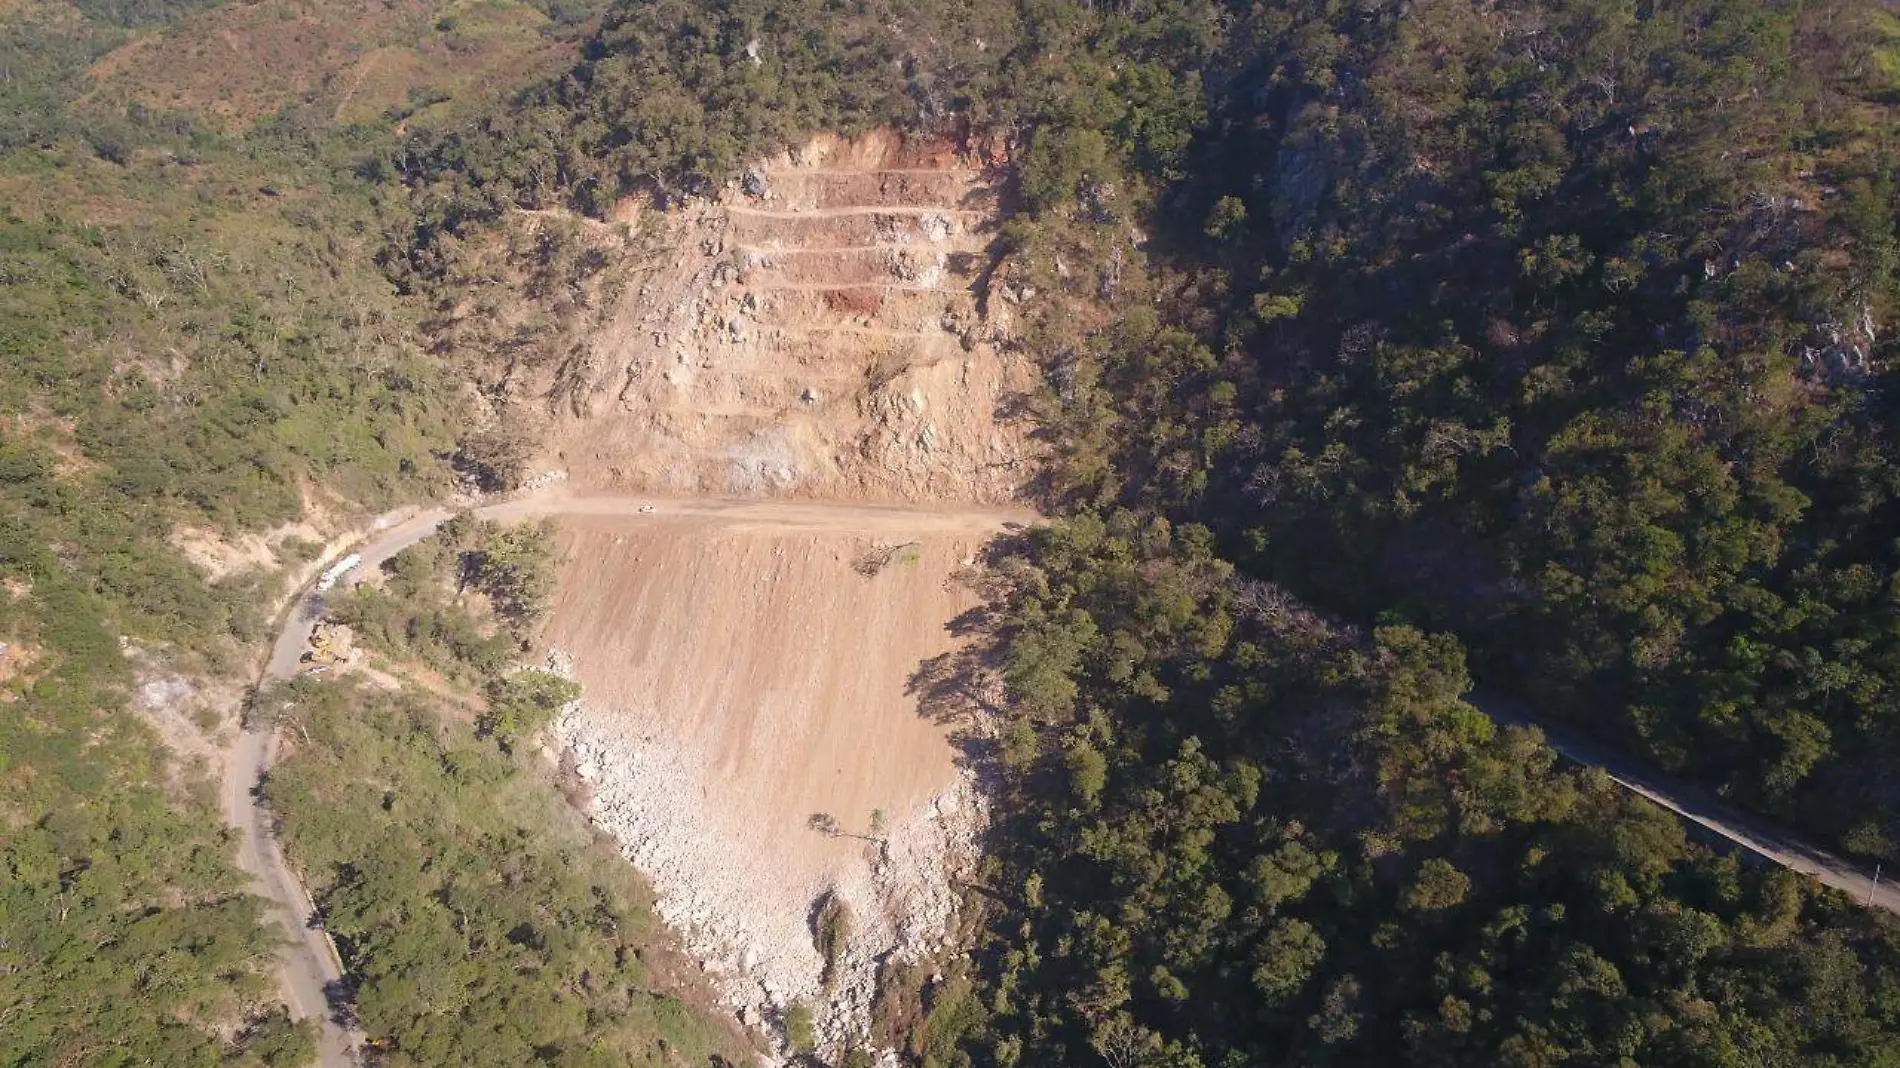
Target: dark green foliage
[[1301, 846], [514, 566], [434, 632], [420, 612], [269, 387], [44, 54], [522, 702], [1557, 324], [1575, 348], [479, 920], [277, 1040], [1504, 319]]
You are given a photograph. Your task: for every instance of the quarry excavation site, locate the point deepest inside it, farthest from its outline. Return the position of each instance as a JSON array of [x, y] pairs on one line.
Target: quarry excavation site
[[819, 334], [821, 331]]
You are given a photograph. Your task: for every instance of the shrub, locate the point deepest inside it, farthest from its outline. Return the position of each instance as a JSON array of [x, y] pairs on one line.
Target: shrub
[[801, 1031]]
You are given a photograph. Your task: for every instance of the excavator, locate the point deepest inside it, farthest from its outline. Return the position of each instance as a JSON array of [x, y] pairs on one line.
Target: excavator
[[322, 651]]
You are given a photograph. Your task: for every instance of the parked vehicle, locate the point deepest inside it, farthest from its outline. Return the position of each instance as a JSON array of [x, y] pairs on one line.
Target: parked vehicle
[[328, 579]]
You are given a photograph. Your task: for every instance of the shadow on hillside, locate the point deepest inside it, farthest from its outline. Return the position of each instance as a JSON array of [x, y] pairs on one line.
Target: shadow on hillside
[[962, 690]]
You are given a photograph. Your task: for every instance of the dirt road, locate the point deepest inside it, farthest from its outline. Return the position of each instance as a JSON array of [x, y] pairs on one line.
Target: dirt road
[[738, 516], [310, 963]]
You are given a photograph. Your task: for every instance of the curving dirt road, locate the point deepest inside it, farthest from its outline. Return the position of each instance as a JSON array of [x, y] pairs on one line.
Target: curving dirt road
[[310, 968], [310, 963]]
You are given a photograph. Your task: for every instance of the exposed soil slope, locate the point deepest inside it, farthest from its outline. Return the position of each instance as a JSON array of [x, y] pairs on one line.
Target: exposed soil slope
[[820, 333], [739, 683]]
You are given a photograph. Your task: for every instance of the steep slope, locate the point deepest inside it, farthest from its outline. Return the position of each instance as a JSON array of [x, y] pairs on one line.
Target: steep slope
[[820, 331], [741, 681], [823, 332]]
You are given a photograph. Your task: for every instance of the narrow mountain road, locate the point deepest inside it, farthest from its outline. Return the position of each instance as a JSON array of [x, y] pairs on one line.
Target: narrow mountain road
[[311, 968], [1750, 832]]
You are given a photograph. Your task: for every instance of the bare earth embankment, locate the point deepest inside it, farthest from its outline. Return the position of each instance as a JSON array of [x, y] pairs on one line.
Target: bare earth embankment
[[820, 335], [739, 683]]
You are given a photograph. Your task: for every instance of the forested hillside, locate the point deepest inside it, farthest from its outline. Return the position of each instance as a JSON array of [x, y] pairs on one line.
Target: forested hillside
[[1554, 328], [1562, 326], [1241, 833], [197, 352], [482, 921], [183, 343], [1387, 346]]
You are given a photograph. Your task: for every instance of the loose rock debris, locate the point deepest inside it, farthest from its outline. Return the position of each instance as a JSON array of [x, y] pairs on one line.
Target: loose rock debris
[[739, 682]]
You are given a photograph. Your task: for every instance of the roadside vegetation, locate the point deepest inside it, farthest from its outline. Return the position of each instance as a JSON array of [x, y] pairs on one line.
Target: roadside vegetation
[[124, 924], [176, 348], [465, 602], [480, 920]]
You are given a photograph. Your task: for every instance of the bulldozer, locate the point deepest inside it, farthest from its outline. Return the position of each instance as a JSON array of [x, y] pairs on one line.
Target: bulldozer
[[322, 649]]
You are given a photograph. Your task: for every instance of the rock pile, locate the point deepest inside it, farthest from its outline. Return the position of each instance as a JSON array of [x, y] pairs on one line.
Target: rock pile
[[754, 934]]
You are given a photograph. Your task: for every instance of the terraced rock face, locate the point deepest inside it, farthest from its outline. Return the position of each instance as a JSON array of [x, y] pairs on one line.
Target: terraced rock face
[[823, 332]]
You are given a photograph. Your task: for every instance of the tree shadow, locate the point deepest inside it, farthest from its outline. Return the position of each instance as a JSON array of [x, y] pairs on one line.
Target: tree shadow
[[340, 998], [962, 690]]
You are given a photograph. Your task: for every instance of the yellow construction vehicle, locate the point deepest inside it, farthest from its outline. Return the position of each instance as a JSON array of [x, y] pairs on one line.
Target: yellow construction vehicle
[[322, 647]]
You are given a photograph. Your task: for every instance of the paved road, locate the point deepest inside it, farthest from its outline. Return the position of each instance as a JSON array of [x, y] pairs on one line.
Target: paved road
[[310, 964], [1750, 832]]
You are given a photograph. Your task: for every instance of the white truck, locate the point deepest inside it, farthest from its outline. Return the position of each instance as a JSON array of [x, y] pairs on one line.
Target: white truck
[[342, 567]]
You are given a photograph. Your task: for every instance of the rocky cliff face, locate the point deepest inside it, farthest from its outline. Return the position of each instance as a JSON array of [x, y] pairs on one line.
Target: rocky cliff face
[[820, 330]]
